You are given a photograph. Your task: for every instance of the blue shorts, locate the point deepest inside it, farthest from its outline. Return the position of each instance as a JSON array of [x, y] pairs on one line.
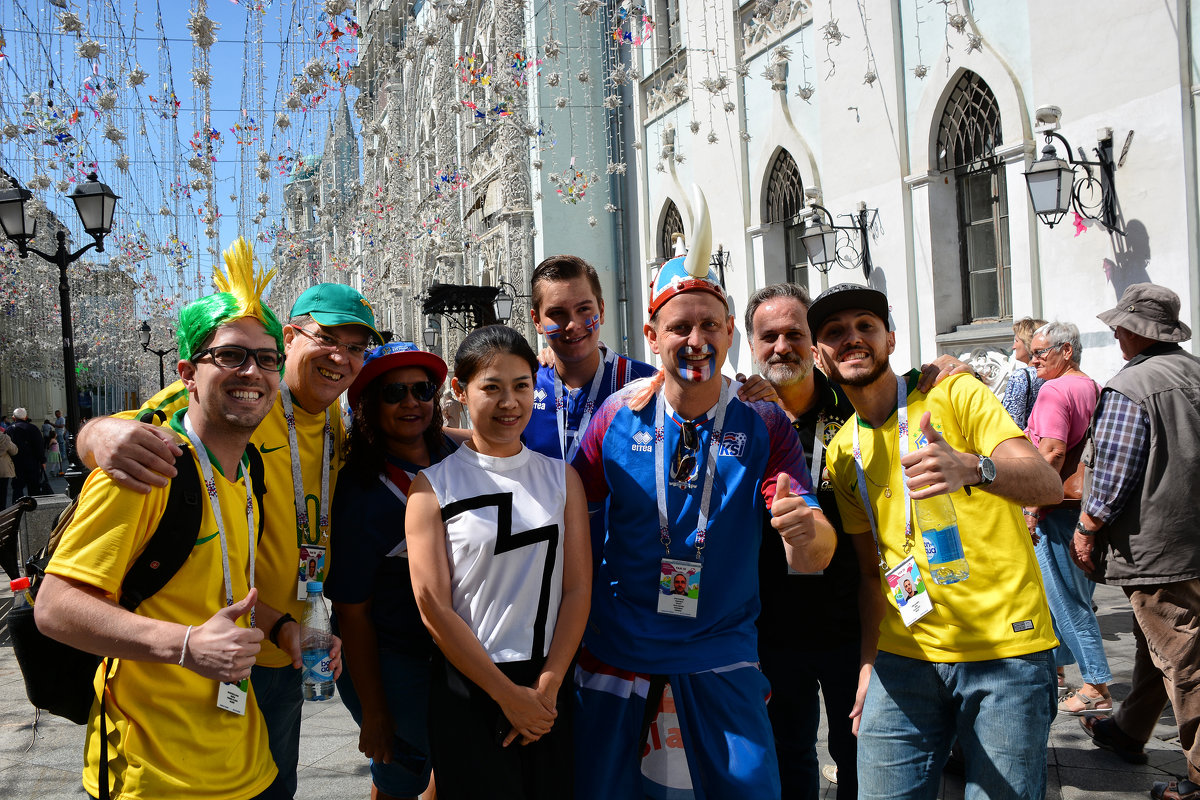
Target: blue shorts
[[406, 685], [723, 729]]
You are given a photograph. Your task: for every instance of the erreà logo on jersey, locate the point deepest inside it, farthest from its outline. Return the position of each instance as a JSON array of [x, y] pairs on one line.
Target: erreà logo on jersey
[[539, 399], [733, 444], [642, 441]]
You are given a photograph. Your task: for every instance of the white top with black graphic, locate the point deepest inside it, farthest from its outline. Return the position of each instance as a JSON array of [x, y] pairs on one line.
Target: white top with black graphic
[[504, 524]]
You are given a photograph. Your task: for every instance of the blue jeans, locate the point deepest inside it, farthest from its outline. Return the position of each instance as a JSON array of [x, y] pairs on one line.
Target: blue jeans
[[406, 687], [797, 683], [281, 698], [1069, 595], [999, 710]]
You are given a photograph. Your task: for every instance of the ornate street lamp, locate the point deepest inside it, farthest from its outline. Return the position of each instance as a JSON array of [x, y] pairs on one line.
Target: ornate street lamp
[[821, 242], [1058, 185], [95, 203], [144, 335]]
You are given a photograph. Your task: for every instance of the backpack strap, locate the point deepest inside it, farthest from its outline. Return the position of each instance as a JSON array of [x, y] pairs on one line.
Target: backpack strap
[[173, 539], [259, 483]]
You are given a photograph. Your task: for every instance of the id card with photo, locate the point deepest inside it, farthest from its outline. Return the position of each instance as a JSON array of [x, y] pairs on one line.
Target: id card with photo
[[312, 568], [679, 588], [907, 586]]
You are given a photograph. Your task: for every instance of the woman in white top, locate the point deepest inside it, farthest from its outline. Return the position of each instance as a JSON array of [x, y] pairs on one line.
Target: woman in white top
[[500, 561]]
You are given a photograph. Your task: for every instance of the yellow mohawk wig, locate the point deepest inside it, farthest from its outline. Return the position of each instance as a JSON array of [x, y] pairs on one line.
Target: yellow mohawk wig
[[240, 296], [240, 281]]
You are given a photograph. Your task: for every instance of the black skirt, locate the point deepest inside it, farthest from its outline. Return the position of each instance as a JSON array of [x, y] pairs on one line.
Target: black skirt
[[467, 727]]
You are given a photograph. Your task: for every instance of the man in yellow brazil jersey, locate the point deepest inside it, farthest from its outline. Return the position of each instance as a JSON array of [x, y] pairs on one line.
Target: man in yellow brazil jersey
[[973, 659], [302, 442], [178, 717]]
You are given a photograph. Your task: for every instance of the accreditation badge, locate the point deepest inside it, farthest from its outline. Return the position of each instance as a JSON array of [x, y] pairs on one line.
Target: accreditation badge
[[232, 696], [907, 587], [312, 567], [679, 588]]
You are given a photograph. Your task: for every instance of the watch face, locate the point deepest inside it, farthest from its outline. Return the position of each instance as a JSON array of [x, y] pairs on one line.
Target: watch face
[[987, 469]]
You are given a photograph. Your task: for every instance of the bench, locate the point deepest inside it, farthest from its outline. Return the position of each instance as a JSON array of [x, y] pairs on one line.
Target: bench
[[10, 525]]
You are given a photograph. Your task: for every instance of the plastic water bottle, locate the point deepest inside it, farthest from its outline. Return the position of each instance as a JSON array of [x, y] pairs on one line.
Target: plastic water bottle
[[315, 639], [938, 523]]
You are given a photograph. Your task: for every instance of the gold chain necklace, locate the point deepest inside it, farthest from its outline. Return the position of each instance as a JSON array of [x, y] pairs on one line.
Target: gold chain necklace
[[887, 489]]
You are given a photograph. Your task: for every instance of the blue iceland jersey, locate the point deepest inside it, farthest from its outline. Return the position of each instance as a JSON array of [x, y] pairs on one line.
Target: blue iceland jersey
[[541, 434], [617, 463]]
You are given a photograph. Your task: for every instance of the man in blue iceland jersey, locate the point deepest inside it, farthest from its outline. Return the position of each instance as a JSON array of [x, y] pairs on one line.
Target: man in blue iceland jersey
[[568, 309], [686, 471]]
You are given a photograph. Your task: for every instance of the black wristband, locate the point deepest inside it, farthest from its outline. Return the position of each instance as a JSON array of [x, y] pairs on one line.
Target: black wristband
[[278, 626]]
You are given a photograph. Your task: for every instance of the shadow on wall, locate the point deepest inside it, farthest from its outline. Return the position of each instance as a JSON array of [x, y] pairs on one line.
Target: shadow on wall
[[1132, 254], [878, 280]]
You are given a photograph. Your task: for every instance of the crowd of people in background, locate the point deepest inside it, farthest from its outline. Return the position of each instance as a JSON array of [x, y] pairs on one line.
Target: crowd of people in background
[[623, 581]]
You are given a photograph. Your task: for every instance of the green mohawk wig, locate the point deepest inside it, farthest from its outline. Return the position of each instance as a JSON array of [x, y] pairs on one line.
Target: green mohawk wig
[[240, 296]]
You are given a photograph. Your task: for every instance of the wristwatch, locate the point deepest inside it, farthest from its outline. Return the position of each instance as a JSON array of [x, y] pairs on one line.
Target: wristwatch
[[987, 471], [1079, 528]]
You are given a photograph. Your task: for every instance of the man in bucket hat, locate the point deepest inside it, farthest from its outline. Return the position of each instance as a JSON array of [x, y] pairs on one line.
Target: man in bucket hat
[[1137, 525]]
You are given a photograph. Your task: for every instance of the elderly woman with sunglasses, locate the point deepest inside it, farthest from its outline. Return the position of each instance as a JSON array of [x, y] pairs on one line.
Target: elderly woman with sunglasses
[[396, 432], [1057, 426]]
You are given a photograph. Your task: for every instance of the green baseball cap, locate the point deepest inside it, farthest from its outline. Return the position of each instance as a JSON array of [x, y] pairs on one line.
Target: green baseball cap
[[331, 304]]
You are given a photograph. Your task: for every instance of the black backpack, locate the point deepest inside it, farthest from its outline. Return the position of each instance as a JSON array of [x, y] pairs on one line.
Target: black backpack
[[58, 677]]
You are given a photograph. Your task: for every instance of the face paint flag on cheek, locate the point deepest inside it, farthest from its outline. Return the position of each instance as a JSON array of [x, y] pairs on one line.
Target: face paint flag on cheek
[[551, 331], [593, 323], [697, 371]]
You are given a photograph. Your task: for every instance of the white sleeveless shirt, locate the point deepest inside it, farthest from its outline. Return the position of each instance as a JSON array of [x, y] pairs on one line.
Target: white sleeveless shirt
[[504, 541]]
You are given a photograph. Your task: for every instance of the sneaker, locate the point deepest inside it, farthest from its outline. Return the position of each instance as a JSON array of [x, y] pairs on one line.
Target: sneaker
[[1063, 689], [1175, 790], [1080, 703], [1106, 735], [829, 771]]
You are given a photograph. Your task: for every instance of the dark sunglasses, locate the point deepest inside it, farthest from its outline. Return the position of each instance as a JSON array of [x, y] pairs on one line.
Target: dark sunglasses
[[232, 356], [393, 393], [683, 464]]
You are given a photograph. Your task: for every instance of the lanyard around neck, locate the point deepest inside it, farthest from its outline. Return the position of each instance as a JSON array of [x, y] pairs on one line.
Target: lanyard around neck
[[289, 414], [710, 469], [902, 433], [210, 486], [561, 412]]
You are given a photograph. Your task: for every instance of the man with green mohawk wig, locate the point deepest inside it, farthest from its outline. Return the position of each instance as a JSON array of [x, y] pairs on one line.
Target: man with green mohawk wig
[[183, 656], [302, 442]]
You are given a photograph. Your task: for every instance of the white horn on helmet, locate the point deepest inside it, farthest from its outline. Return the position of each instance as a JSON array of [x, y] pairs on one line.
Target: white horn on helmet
[[700, 244]]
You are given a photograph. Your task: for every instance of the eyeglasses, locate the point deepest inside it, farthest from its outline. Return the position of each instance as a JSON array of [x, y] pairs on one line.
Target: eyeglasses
[[396, 392], [683, 463], [232, 356], [1042, 352], [354, 351]]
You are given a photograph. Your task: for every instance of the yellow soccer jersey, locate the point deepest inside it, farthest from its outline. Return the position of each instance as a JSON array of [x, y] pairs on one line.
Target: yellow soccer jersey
[[1000, 610], [167, 738], [279, 551]]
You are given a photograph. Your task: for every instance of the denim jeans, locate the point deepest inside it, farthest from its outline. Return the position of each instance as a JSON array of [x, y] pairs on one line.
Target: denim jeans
[[999, 710], [281, 699], [1069, 595]]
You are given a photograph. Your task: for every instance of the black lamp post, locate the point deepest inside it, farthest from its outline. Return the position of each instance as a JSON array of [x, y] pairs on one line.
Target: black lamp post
[[144, 334], [95, 204]]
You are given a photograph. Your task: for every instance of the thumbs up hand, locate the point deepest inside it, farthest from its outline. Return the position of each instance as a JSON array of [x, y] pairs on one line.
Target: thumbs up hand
[[220, 648], [808, 541], [937, 468]]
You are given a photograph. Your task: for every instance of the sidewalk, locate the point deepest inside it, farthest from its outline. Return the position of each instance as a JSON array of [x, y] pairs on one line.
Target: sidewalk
[[43, 757]]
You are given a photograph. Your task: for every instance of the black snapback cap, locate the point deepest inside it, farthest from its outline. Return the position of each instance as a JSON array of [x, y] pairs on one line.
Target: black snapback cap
[[843, 297]]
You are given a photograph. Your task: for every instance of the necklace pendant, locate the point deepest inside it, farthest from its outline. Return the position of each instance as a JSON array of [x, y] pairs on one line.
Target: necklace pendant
[[887, 492]]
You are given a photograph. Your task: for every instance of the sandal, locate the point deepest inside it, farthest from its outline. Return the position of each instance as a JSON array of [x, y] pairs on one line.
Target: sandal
[[1079, 703], [1175, 790]]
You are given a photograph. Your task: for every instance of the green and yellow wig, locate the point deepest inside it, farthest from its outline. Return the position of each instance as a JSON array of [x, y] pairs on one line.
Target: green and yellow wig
[[239, 295]]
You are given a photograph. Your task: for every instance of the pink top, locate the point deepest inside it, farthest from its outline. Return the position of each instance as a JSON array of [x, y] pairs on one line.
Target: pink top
[[1063, 410]]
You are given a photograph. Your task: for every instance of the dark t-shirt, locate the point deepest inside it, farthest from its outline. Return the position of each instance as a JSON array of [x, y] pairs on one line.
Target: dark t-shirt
[[811, 612], [367, 531], [31, 450]]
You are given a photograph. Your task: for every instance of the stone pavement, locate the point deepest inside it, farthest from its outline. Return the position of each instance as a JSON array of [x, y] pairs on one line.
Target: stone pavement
[[42, 757]]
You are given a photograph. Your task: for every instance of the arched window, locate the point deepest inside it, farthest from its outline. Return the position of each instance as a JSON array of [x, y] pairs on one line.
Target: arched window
[[671, 225], [785, 201], [967, 139]]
